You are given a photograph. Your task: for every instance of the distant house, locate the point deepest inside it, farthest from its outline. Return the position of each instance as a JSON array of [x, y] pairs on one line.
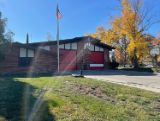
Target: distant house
[[154, 46], [41, 57]]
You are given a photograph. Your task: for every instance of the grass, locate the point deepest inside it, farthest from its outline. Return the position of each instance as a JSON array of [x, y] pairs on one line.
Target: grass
[[156, 69], [74, 99]]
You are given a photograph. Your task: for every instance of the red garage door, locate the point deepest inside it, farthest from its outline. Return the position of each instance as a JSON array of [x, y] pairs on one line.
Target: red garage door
[[97, 60], [68, 60]]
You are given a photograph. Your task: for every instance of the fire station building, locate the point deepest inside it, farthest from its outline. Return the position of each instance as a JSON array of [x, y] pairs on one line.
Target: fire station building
[[41, 57]]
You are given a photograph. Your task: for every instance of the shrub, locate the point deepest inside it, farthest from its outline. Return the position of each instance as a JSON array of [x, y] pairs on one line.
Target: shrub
[[114, 65]]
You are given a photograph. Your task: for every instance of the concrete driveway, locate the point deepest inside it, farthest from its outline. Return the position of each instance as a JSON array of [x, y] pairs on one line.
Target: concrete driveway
[[147, 81]]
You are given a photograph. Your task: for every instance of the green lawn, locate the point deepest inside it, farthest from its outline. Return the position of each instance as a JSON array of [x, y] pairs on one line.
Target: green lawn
[[74, 99]]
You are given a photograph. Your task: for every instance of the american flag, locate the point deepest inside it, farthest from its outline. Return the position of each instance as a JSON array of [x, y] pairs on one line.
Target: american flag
[[58, 13]]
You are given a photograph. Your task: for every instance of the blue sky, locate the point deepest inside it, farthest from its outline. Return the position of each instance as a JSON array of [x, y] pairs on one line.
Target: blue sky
[[37, 17]]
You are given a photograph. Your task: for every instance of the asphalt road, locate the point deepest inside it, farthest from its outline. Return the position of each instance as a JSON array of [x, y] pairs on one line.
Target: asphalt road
[[147, 81]]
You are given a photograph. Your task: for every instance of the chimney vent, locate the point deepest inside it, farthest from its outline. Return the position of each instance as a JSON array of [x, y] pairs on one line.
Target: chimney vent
[[27, 39]]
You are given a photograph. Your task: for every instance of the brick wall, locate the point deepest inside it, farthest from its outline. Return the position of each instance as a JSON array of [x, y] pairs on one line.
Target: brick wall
[[106, 59], [41, 63], [47, 62]]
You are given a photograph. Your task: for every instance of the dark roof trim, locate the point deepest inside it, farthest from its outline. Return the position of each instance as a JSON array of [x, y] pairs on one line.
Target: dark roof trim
[[23, 45], [77, 39], [32, 48], [101, 44]]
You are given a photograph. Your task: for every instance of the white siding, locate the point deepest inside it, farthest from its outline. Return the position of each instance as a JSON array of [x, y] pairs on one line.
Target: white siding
[[30, 53], [68, 46], [96, 65], [45, 47], [61, 46], [74, 46], [96, 48], [91, 47], [101, 49], [23, 52]]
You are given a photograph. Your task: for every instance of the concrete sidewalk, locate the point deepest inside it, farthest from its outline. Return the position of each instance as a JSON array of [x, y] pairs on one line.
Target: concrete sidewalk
[[147, 81]]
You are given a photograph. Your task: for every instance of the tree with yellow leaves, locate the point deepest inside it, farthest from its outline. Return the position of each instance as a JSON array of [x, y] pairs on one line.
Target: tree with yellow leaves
[[106, 36], [130, 27]]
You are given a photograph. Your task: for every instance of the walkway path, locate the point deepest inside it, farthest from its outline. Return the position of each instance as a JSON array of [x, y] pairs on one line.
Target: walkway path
[[141, 80]]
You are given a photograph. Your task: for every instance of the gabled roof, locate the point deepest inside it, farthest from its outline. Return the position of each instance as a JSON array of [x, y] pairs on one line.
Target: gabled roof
[[101, 44], [77, 39], [23, 45]]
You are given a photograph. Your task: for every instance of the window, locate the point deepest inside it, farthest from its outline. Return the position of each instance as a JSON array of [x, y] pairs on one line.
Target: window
[[26, 57], [68, 46], [61, 46], [74, 46]]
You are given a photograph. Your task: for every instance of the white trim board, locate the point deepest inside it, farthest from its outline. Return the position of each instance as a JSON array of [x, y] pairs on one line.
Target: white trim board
[[96, 65]]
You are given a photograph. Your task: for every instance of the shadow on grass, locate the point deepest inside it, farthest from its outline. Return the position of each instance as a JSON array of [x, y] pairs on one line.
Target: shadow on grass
[[17, 102]]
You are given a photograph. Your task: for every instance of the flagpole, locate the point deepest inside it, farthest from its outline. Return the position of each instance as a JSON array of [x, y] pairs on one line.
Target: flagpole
[[58, 15], [58, 41]]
